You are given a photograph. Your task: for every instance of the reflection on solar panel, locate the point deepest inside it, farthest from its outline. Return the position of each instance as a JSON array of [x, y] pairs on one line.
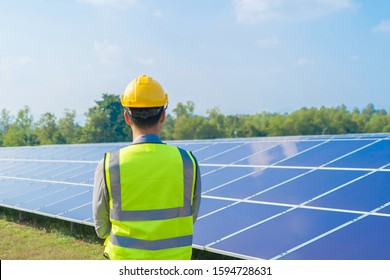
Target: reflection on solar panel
[[323, 197]]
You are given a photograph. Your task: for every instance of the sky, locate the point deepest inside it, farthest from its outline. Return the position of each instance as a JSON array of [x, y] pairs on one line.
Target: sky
[[240, 56]]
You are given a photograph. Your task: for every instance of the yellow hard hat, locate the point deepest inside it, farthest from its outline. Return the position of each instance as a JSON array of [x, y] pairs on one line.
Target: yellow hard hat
[[144, 92]]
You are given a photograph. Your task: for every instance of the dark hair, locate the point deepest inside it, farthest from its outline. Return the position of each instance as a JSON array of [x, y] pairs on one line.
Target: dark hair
[[145, 117]]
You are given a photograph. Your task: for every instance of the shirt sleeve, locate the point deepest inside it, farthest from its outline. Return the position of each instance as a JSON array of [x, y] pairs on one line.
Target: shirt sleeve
[[197, 192], [100, 203]]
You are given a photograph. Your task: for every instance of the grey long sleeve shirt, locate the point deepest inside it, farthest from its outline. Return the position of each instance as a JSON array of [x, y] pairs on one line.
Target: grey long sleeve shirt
[[100, 200]]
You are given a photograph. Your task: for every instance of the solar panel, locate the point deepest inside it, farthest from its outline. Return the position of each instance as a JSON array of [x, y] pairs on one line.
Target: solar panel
[[308, 197]]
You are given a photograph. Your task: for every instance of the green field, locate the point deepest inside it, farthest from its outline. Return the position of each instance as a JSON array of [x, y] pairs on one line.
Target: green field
[[34, 238]]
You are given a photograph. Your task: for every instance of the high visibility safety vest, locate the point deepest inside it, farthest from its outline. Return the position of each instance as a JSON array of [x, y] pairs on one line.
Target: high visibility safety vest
[[151, 189]]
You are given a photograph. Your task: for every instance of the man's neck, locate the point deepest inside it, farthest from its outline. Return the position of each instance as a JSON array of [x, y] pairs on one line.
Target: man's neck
[[137, 132]]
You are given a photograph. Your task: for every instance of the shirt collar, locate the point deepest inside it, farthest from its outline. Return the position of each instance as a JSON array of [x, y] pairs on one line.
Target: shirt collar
[[147, 138]]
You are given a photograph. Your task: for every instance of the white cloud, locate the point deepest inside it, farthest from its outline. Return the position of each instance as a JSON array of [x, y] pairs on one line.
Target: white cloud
[[145, 61], [268, 42], [252, 11], [108, 53], [304, 61], [257, 11], [158, 14], [382, 27], [354, 57], [112, 3], [9, 64]]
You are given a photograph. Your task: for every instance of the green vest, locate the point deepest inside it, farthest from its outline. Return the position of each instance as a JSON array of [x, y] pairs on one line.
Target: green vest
[[151, 189]]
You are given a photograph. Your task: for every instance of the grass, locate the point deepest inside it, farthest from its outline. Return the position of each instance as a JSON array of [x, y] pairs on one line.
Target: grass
[[34, 238], [26, 236]]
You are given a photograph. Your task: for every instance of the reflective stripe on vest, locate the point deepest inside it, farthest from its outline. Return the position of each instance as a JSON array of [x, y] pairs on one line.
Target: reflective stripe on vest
[[141, 215], [124, 241]]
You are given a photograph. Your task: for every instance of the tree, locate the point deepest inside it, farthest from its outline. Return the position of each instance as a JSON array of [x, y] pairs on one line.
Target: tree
[[188, 126], [368, 111], [168, 128], [184, 110], [217, 121], [276, 125], [47, 130], [105, 122], [194, 127], [376, 123], [387, 127], [5, 122], [358, 118], [342, 122], [69, 129], [231, 126], [182, 128], [20, 133]]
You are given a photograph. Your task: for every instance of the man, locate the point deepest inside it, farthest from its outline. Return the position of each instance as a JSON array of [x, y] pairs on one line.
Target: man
[[146, 196]]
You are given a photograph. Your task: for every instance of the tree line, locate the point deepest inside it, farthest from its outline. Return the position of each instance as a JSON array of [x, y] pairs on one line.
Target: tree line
[[105, 123]]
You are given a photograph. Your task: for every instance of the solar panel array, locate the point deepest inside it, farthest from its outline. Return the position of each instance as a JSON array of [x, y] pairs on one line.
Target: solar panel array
[[318, 197]]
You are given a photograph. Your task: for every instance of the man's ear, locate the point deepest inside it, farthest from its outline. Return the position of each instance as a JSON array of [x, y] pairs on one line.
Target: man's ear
[[162, 117], [127, 118]]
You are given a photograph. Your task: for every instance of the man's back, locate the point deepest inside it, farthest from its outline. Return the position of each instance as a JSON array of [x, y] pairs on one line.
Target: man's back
[[152, 187]]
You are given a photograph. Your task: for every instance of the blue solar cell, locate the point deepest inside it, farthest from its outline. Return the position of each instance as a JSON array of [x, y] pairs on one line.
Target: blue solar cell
[[385, 210], [12, 187], [27, 169], [40, 152], [374, 156], [7, 167], [325, 153], [230, 220], [214, 150], [209, 205], [21, 152], [366, 239], [86, 177], [84, 153], [51, 194], [365, 194], [191, 146], [278, 235], [63, 152], [20, 197], [255, 183], [68, 202], [74, 170], [4, 183], [55, 169], [204, 170], [97, 152], [308, 186], [81, 213], [224, 175], [10, 192], [280, 152], [241, 152]]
